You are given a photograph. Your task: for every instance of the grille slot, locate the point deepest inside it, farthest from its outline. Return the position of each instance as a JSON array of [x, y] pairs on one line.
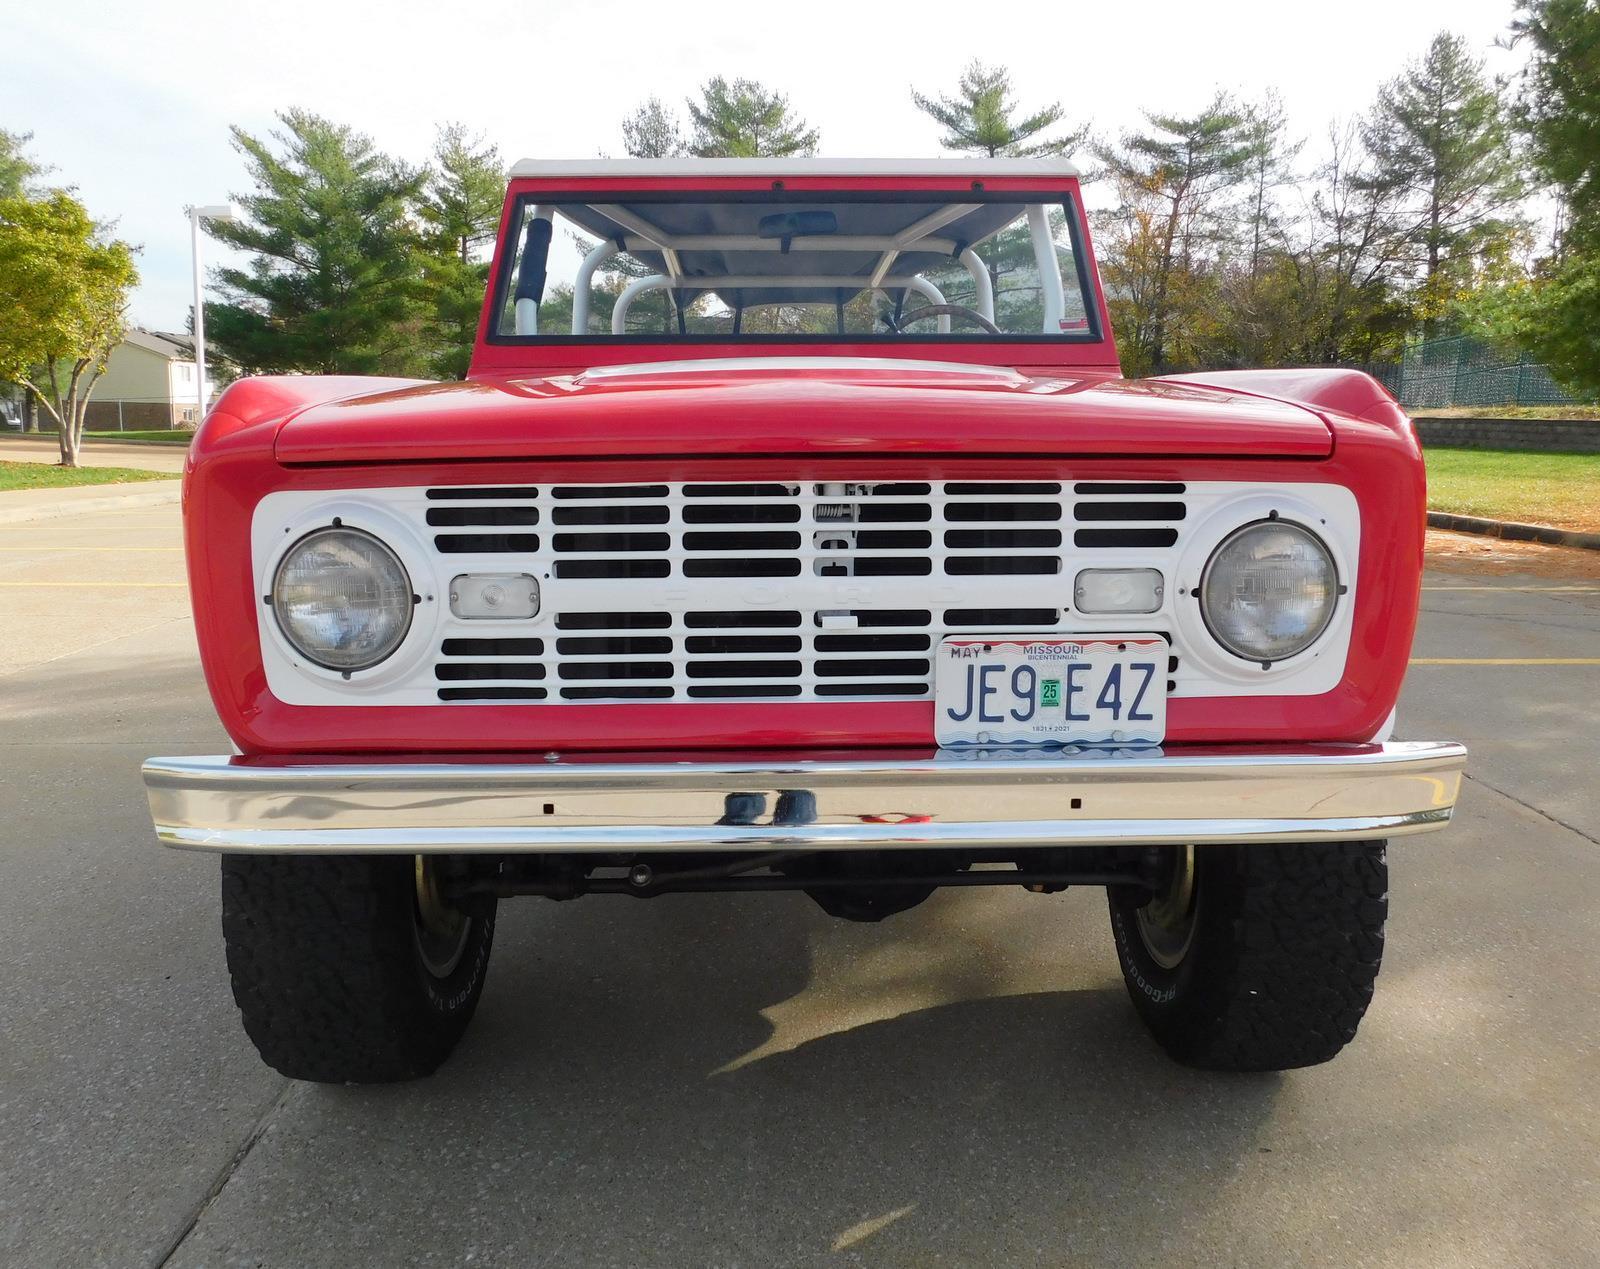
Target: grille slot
[[742, 566], [1003, 619], [610, 517], [741, 540], [483, 493], [703, 620], [482, 694], [612, 568], [449, 670], [976, 565], [1162, 511], [486, 543], [740, 491], [616, 669], [1002, 511], [493, 647], [742, 643], [750, 669], [606, 493], [615, 645], [618, 692], [483, 515], [725, 691], [606, 543], [1129, 487], [613, 621], [1125, 537]]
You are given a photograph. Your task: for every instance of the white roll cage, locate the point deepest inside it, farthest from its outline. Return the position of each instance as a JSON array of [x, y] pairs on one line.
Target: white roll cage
[[914, 238]]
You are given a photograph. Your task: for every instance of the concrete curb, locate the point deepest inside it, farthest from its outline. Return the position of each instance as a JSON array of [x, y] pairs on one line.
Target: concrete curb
[[1511, 531], [20, 506]]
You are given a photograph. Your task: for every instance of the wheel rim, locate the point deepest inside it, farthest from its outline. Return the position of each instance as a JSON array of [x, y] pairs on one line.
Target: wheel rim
[[1167, 923], [441, 930]]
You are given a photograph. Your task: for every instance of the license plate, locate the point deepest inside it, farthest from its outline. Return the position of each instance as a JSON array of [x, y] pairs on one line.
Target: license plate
[[1091, 690]]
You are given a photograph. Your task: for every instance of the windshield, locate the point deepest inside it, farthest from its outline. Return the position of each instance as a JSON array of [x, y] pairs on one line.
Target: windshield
[[876, 266]]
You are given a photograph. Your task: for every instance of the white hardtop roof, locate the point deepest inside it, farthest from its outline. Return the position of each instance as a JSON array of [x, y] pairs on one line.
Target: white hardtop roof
[[630, 169]]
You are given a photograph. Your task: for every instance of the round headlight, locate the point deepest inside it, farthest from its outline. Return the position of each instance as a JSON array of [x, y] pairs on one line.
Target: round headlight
[[1268, 591], [342, 598]]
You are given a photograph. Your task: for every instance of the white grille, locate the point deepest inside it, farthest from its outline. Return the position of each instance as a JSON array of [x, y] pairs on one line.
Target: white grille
[[771, 591]]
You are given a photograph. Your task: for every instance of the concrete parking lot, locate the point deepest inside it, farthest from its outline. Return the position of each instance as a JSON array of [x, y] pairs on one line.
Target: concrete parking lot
[[703, 1080], [97, 452]]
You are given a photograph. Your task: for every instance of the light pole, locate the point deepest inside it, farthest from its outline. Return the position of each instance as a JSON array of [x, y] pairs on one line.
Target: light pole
[[227, 214]]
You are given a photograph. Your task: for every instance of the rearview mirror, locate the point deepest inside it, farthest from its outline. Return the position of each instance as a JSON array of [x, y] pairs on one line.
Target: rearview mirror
[[797, 224]]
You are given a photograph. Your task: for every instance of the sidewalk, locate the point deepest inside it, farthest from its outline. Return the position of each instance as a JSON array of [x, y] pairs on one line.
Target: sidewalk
[[96, 453], [17, 505]]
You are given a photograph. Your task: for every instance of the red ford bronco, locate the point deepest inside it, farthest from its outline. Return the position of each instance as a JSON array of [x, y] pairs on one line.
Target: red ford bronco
[[796, 529]]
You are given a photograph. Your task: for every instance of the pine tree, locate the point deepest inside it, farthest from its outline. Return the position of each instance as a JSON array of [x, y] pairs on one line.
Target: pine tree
[[652, 132], [1172, 184], [460, 213], [741, 119], [980, 118], [1269, 168], [1439, 141], [333, 283]]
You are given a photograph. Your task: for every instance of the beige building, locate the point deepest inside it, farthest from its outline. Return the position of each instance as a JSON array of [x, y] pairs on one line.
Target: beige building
[[149, 383]]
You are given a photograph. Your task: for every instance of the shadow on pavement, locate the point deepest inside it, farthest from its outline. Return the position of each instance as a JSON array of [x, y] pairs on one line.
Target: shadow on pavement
[[597, 1113]]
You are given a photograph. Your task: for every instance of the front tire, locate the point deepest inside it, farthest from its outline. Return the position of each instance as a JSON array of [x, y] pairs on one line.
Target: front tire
[[350, 969], [1255, 958]]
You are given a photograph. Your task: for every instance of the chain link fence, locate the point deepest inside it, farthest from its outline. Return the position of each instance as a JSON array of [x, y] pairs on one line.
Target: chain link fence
[[1460, 371]]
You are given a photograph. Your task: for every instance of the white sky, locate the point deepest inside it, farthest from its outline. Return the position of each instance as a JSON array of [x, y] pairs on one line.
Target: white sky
[[131, 102]]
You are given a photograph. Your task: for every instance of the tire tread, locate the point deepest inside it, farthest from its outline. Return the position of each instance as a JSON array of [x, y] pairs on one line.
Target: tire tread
[[325, 972], [1289, 969]]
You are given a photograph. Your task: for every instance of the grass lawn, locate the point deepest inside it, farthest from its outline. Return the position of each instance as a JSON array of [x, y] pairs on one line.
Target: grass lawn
[[1508, 412], [45, 476], [1509, 484], [163, 437]]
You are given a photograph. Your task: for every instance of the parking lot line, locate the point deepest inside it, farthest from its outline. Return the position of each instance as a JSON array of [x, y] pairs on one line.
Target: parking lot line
[[1534, 589], [1505, 661], [40, 548], [101, 585]]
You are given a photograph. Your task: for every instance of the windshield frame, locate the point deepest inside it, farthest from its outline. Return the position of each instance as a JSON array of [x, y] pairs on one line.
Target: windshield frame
[[1061, 192]]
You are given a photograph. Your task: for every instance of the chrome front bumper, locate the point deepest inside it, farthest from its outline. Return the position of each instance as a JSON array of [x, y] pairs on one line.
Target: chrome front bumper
[[870, 800]]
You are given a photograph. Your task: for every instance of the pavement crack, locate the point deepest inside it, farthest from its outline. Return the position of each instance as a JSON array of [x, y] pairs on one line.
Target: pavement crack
[[99, 643], [1529, 806], [1505, 616], [224, 1175]]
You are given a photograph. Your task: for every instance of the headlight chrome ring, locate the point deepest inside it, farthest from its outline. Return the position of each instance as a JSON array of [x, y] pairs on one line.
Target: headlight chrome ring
[[342, 599], [1269, 590]]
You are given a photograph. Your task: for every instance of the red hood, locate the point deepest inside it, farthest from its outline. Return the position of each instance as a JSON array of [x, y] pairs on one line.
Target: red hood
[[799, 405]]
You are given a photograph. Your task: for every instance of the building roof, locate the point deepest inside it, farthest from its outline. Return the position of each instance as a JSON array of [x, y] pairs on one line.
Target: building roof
[[631, 169], [172, 347]]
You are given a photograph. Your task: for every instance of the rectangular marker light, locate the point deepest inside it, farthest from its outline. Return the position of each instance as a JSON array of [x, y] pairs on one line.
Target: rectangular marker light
[[1100, 590], [506, 596]]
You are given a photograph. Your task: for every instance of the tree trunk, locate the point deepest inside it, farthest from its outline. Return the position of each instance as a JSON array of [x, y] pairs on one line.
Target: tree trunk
[[1158, 324], [30, 411], [71, 408]]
